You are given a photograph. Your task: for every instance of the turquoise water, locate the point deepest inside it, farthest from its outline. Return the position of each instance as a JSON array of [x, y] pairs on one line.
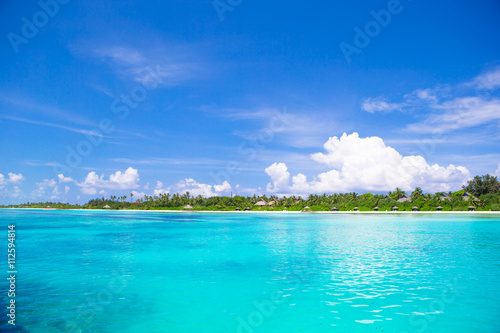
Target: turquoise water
[[169, 272]]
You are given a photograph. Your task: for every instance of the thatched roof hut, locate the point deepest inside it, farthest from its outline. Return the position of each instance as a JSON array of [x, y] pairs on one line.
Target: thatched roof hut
[[238, 209], [356, 208], [404, 198], [271, 203], [444, 196], [306, 208], [187, 207], [466, 196], [395, 208], [439, 208], [247, 209], [261, 202], [414, 208], [106, 207], [335, 209], [472, 208], [375, 208]]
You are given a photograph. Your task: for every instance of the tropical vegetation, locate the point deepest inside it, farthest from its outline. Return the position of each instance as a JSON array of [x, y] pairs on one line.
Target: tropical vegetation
[[481, 193]]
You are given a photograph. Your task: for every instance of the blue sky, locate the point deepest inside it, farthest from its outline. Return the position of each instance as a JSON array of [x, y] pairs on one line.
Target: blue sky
[[106, 97]]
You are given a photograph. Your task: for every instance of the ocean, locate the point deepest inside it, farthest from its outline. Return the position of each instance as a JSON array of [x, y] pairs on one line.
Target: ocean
[[126, 271]]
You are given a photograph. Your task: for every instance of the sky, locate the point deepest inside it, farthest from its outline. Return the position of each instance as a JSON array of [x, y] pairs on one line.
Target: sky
[[101, 98]]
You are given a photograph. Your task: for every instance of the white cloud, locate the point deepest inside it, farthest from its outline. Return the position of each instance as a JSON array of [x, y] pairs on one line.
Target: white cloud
[[366, 164], [63, 179], [225, 187], [497, 173], [51, 187], [127, 180], [159, 189], [13, 179], [7, 187], [426, 94], [138, 195], [280, 177], [247, 190], [379, 104], [194, 188]]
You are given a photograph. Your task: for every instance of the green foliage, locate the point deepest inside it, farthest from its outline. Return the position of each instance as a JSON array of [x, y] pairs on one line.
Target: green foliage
[[487, 185], [481, 185]]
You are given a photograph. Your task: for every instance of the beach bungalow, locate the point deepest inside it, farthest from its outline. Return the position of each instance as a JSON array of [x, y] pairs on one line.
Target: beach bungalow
[[335, 209], [271, 203], [444, 196], [247, 209], [187, 207], [375, 209], [467, 196], [405, 198], [106, 207], [356, 209], [261, 203], [238, 209], [472, 208], [395, 208], [439, 208], [414, 208], [307, 209]]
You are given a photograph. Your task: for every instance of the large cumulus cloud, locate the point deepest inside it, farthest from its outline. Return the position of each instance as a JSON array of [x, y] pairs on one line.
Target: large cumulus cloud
[[365, 164]]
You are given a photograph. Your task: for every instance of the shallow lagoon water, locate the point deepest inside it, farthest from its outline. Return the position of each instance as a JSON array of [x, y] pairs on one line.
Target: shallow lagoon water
[[93, 271]]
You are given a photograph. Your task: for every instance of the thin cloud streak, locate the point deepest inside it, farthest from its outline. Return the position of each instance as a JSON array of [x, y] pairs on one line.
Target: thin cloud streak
[[63, 127]]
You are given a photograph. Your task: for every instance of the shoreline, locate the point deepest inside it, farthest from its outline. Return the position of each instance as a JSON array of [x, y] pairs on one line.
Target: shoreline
[[265, 211]]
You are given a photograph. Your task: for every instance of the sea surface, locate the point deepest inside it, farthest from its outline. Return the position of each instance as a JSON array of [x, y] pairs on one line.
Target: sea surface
[[93, 271]]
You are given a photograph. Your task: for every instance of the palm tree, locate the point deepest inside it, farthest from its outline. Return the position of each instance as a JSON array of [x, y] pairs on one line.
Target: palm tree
[[131, 196], [416, 193], [399, 193]]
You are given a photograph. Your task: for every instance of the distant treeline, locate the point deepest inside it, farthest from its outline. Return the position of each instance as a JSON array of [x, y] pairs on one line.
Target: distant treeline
[[481, 193]]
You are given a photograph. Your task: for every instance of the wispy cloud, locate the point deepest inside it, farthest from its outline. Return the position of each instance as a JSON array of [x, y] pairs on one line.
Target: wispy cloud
[[167, 161], [63, 127], [488, 80], [120, 54], [174, 65], [39, 163], [459, 113], [379, 104], [293, 129], [445, 108], [23, 103]]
